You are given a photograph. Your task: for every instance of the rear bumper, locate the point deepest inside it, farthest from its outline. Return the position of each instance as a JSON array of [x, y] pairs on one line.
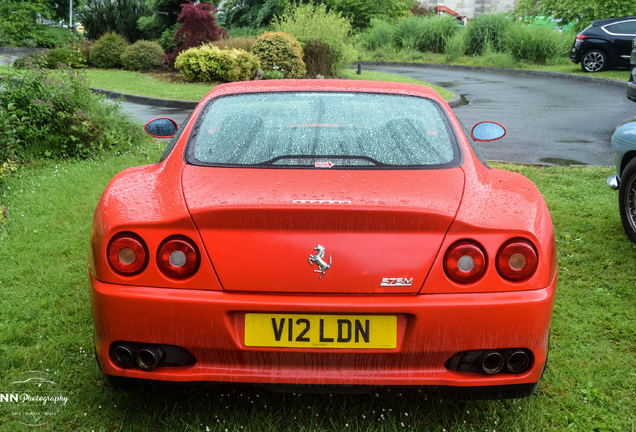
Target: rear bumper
[[431, 329]]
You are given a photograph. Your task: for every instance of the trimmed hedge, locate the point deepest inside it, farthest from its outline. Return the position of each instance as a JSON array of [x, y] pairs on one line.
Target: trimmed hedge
[[280, 51], [209, 63], [142, 55], [107, 50]]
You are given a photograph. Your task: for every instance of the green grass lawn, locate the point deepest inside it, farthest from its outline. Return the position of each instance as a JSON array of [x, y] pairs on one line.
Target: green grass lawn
[[46, 325]]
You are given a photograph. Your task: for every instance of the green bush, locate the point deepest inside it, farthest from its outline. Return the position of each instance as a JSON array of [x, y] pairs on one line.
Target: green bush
[[209, 63], [34, 60], [69, 54], [277, 50], [273, 74], [536, 44], [380, 35], [142, 55], [318, 58], [488, 30], [107, 50], [308, 22], [455, 46], [54, 114], [50, 37]]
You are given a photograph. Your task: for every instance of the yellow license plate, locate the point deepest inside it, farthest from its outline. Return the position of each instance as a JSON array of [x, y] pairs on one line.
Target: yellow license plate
[[320, 331]]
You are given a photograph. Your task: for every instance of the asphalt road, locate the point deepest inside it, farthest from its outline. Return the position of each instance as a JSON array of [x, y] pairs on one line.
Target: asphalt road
[[549, 120]]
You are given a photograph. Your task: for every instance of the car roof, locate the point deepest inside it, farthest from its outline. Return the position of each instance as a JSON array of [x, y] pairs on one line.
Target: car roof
[[602, 22], [328, 85]]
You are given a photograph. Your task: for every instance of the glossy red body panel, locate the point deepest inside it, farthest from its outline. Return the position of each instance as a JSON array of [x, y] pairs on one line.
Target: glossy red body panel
[[255, 229]]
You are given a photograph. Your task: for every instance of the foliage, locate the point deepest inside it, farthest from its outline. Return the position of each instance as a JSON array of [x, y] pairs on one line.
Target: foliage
[[167, 39], [455, 47], [253, 13], [424, 33], [308, 22], [380, 34], [244, 44], [17, 20], [54, 114], [107, 50], [536, 44], [35, 59], [142, 55], [7, 167], [46, 36], [362, 12], [273, 74], [209, 63], [277, 50], [115, 16], [488, 30], [69, 55], [580, 11], [318, 58], [198, 26]]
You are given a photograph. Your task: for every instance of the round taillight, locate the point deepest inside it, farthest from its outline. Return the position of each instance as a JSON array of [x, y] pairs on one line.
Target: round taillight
[[127, 254], [517, 260], [178, 257], [465, 261]]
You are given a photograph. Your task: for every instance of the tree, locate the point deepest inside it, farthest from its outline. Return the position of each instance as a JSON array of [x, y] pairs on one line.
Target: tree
[[253, 13], [198, 26], [580, 11], [118, 16], [361, 12]]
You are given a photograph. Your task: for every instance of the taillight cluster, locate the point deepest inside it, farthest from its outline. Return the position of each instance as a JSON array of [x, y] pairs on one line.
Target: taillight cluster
[[177, 257], [466, 261]]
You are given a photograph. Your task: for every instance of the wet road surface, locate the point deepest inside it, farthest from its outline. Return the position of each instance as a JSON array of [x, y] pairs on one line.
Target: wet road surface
[[549, 120]]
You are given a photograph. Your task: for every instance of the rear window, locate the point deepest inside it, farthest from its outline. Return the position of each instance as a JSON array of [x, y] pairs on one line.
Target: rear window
[[323, 130]]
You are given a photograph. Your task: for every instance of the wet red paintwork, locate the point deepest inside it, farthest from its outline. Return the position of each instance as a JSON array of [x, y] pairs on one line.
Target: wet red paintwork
[[255, 229]]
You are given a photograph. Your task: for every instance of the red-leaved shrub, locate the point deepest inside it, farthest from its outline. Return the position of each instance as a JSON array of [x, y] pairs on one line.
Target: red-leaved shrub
[[198, 26]]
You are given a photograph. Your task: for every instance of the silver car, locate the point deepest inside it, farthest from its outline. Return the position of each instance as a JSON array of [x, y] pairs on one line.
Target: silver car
[[624, 147]]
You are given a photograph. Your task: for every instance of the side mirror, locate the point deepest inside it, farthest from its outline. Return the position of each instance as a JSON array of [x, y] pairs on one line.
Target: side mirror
[[487, 131], [162, 127]]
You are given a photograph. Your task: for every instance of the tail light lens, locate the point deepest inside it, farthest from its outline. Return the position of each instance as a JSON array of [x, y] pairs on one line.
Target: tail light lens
[[127, 254], [517, 260], [465, 261], [178, 257]]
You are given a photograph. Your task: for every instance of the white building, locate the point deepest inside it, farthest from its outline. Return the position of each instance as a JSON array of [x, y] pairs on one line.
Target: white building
[[470, 8]]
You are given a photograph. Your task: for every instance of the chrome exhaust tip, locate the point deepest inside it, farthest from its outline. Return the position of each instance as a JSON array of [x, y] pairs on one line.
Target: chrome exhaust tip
[[123, 355], [518, 362], [492, 362], [149, 357]]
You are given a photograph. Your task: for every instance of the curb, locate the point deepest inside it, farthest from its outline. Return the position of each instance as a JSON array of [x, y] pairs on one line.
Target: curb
[[559, 75], [144, 100]]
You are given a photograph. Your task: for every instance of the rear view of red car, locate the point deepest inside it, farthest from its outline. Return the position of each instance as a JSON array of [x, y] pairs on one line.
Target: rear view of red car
[[329, 233]]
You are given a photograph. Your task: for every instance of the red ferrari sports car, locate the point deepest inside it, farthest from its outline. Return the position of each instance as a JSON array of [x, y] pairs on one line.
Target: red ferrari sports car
[[324, 232]]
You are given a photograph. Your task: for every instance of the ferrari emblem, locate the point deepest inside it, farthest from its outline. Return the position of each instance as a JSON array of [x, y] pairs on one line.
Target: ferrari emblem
[[319, 261]]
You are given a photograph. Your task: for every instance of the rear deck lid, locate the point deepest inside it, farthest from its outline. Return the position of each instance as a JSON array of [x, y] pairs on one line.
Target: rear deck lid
[[322, 231]]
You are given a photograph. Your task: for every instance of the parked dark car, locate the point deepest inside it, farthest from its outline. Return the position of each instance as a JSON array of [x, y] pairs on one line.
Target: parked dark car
[[604, 44], [631, 84]]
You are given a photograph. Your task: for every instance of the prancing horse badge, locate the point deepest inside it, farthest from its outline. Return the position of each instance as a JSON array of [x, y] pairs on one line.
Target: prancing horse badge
[[319, 261]]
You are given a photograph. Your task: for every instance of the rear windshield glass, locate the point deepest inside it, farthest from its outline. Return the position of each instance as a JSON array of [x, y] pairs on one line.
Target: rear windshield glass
[[323, 130]]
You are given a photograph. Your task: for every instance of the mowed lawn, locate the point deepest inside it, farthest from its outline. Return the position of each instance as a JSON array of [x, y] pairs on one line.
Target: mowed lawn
[[45, 326]]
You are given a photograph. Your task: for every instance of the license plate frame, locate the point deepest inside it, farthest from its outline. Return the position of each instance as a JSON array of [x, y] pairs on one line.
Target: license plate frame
[[342, 331]]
